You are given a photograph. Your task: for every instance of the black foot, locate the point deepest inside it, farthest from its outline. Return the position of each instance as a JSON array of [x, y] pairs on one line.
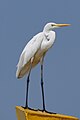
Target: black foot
[[44, 110], [24, 107], [48, 112]]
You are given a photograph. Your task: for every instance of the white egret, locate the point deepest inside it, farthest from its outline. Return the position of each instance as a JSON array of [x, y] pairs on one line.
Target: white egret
[[34, 52]]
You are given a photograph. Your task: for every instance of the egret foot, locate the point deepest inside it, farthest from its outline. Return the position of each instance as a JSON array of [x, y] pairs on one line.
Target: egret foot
[[24, 107], [48, 112]]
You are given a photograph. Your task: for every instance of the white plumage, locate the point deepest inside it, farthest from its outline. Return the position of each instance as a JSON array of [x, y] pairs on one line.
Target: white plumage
[[36, 48]]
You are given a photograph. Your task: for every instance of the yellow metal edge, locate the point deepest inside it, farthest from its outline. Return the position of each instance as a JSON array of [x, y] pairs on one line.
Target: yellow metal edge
[[40, 113], [20, 113]]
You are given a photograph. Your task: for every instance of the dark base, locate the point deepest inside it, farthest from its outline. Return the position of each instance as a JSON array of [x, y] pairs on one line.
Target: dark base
[[38, 110]]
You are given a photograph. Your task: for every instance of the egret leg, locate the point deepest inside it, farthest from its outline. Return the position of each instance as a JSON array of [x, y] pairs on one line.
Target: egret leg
[[28, 80], [42, 85]]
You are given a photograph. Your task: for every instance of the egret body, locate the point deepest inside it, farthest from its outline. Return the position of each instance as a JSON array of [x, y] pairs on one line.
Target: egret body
[[34, 52]]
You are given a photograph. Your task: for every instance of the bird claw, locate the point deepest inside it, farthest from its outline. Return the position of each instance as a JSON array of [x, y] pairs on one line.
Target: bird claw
[[48, 112], [24, 107], [45, 111]]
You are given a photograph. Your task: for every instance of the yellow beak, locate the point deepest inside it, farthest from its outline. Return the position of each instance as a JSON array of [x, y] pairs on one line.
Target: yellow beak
[[62, 25]]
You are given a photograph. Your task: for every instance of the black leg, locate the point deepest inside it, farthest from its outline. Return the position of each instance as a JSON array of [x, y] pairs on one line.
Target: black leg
[[42, 86], [27, 90], [28, 79]]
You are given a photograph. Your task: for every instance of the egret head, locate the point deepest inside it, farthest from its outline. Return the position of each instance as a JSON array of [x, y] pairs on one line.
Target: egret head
[[51, 26]]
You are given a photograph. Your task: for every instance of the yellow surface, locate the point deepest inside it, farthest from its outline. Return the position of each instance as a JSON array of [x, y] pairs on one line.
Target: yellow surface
[[27, 114]]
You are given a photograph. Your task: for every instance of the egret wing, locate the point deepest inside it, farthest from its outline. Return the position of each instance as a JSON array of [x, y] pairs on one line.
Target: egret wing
[[29, 51]]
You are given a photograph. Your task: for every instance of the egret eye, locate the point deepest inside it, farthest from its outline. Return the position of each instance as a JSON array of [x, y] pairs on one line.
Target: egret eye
[[52, 25]]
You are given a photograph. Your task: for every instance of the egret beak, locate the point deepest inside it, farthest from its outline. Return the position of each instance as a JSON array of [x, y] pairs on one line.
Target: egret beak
[[62, 25]]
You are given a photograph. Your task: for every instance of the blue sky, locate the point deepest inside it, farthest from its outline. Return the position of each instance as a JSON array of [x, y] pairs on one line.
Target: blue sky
[[20, 20]]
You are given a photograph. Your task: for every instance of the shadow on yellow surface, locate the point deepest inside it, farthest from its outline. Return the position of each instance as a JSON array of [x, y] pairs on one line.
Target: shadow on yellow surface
[[28, 114]]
